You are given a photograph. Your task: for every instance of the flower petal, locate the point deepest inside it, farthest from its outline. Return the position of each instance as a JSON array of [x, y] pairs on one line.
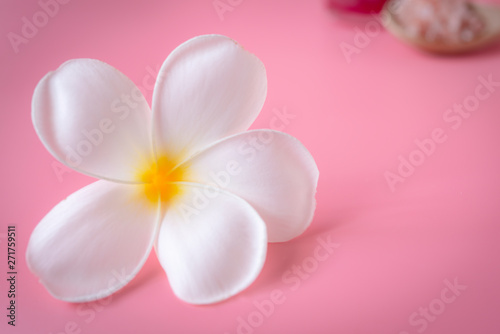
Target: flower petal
[[211, 244], [93, 243], [92, 118], [270, 170], [208, 88]]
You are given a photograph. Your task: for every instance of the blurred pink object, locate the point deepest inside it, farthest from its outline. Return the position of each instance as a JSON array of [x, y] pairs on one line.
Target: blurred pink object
[[446, 21], [359, 6]]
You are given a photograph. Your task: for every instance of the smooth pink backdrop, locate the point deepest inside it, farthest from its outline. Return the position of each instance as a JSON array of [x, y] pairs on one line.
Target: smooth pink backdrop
[[395, 249]]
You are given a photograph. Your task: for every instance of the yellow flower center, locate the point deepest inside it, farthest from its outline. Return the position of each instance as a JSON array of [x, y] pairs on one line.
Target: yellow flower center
[[159, 180]]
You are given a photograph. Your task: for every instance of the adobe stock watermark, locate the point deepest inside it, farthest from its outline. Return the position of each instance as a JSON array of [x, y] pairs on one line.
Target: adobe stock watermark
[[119, 109], [223, 6], [31, 26], [420, 320], [453, 117], [363, 37], [87, 312], [247, 151], [292, 278]]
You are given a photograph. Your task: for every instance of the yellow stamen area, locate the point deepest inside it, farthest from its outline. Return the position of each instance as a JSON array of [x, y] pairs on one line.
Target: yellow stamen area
[[159, 180]]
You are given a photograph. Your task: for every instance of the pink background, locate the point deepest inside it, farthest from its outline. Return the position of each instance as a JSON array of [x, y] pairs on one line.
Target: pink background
[[396, 248]]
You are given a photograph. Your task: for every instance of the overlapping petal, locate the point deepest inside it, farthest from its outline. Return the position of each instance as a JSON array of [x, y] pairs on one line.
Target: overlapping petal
[[211, 244], [92, 118], [270, 170], [208, 88], [93, 243]]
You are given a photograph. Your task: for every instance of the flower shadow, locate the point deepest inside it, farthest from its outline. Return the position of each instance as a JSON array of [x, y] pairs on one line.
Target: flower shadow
[[284, 256]]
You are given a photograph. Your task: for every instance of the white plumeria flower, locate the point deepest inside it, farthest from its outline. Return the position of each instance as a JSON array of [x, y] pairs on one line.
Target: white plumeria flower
[[183, 177]]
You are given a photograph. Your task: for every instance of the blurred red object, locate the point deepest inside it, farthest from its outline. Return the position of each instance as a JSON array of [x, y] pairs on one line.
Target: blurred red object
[[358, 6]]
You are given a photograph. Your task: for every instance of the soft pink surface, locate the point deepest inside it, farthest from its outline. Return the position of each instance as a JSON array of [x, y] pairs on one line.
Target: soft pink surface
[[395, 248]]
